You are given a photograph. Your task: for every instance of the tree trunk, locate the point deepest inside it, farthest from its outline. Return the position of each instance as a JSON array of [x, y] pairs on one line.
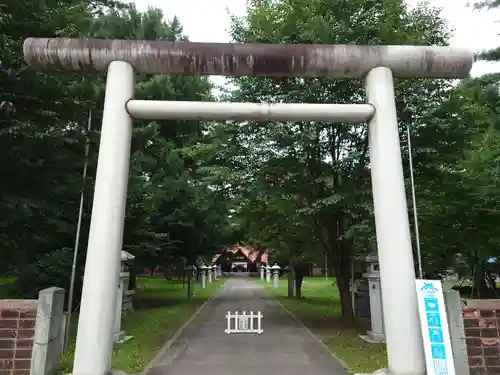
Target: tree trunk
[[290, 281], [132, 277], [341, 262], [343, 278], [166, 274], [299, 277], [481, 289]]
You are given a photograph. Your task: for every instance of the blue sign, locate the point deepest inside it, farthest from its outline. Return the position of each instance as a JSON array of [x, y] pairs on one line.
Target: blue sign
[[431, 305], [433, 320], [438, 351], [436, 335], [434, 326]]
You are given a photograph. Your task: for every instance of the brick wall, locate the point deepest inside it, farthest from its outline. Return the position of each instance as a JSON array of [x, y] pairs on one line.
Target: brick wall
[[17, 322], [482, 332]]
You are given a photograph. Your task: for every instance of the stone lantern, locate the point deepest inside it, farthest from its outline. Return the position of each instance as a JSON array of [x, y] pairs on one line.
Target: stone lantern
[[203, 274], [377, 332], [121, 297], [276, 274], [209, 274], [262, 271], [268, 273]]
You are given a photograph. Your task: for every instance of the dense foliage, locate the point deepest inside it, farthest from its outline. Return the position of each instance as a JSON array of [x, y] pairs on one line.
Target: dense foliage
[[173, 215], [309, 192]]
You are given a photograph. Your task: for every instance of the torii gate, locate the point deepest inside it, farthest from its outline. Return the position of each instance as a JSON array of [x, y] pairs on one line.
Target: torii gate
[[377, 64]]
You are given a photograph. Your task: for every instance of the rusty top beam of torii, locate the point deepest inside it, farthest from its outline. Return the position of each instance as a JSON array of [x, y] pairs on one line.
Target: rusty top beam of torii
[[231, 59]]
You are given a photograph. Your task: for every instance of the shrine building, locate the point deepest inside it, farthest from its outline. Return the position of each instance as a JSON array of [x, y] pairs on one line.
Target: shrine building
[[240, 259]]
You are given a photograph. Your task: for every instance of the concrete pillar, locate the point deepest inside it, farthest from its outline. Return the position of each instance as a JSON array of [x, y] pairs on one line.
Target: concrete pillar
[[455, 317], [102, 267], [118, 334], [268, 273], [404, 345], [203, 276], [377, 332], [262, 271], [214, 271], [49, 327], [276, 274]]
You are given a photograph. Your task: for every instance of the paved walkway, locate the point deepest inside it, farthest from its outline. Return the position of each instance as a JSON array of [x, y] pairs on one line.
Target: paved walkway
[[285, 347]]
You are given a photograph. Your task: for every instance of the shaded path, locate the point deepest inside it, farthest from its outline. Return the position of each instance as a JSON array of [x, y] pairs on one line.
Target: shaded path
[[285, 347]]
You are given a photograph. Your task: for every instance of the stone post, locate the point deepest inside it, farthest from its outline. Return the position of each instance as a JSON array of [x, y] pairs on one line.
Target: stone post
[[455, 317], [291, 279], [214, 271], [203, 275], [118, 334], [268, 273], [377, 332], [276, 274], [47, 343], [262, 271]]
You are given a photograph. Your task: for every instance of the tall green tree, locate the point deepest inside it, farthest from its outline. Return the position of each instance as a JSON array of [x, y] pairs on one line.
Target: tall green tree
[[455, 181], [172, 212], [322, 168]]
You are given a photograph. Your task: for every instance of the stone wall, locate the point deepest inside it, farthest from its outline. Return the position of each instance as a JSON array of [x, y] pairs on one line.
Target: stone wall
[[17, 329], [482, 332]]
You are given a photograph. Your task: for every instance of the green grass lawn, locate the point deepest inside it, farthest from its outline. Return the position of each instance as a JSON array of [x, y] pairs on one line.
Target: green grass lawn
[[162, 308], [319, 310], [6, 286], [6, 280]]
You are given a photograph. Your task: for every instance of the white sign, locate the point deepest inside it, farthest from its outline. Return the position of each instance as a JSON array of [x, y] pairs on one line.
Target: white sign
[[244, 323], [435, 331]]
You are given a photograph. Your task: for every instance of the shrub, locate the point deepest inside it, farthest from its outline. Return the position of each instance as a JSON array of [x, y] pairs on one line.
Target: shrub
[[51, 269]]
